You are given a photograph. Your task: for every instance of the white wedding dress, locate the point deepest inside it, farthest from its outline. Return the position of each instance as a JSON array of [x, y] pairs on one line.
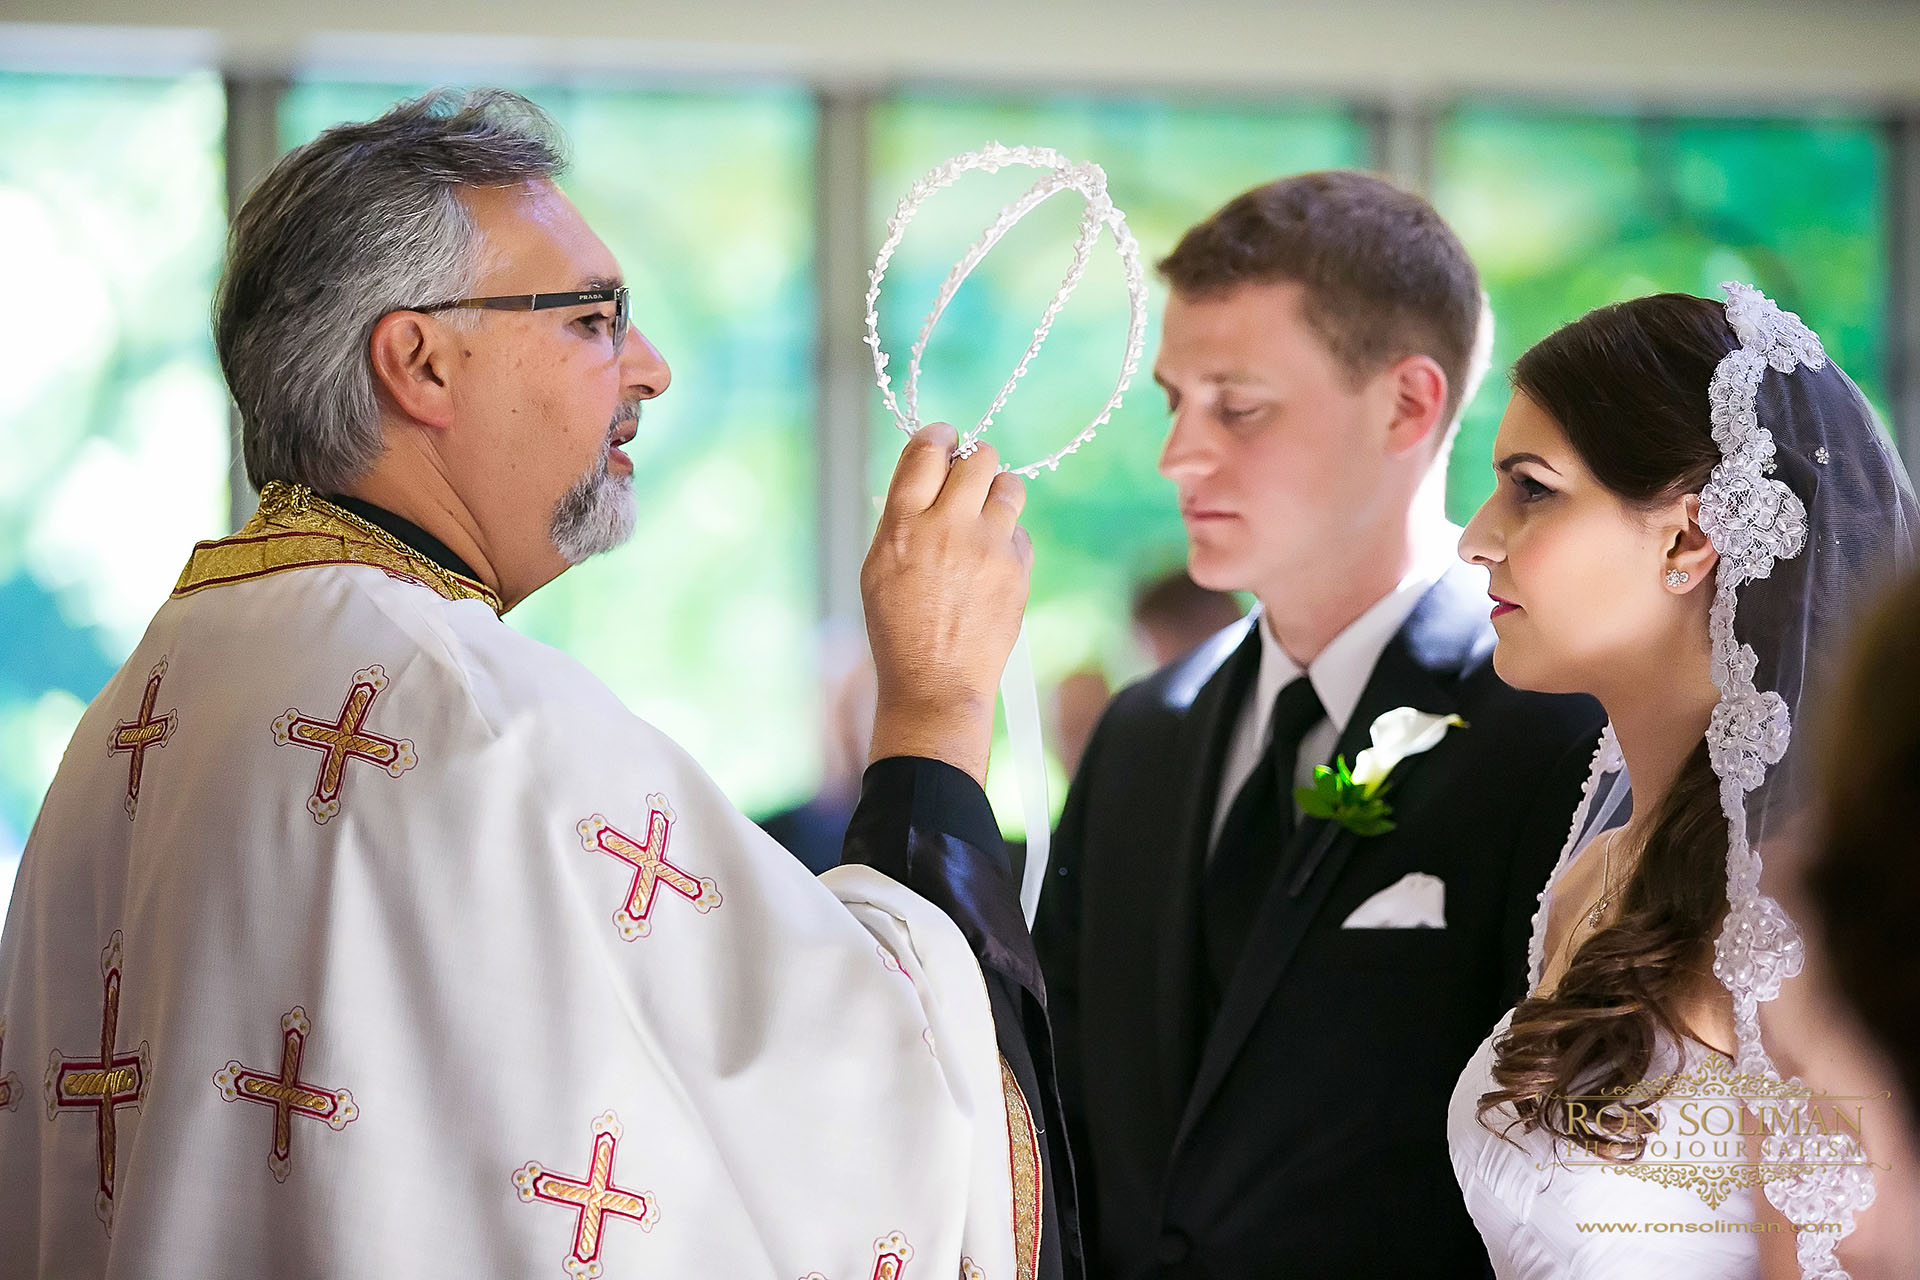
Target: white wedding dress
[[1544, 1218]]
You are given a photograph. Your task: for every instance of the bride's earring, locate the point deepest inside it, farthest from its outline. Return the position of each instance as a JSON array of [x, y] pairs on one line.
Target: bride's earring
[[1677, 577]]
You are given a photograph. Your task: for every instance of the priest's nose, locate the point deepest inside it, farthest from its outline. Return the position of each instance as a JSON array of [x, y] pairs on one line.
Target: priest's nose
[[643, 368]]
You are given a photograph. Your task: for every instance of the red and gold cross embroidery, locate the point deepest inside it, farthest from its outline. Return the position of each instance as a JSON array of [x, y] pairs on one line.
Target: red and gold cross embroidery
[[287, 1093], [650, 867], [891, 1254], [101, 1085], [346, 738], [592, 1199], [969, 1270], [9, 1083], [135, 736]]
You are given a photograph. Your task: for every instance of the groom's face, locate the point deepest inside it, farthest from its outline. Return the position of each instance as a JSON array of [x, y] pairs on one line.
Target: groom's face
[[1276, 448]]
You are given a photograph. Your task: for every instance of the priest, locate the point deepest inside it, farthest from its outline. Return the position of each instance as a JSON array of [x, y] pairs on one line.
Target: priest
[[361, 935]]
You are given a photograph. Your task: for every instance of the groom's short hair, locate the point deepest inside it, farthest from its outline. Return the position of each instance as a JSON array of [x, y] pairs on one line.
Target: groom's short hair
[[1384, 276]]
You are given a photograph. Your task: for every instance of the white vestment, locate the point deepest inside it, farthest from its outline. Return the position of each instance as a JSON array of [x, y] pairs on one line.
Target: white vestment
[[362, 936]]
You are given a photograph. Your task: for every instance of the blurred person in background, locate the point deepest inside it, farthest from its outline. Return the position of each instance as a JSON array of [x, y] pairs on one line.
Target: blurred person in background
[[1173, 615], [813, 830], [1077, 704]]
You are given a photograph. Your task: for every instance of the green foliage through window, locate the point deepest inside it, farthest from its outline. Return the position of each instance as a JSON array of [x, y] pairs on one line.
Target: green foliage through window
[[1566, 212], [113, 419]]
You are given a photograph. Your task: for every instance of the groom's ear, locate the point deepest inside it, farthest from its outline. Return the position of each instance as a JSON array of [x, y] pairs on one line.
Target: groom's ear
[[1688, 548], [1418, 387]]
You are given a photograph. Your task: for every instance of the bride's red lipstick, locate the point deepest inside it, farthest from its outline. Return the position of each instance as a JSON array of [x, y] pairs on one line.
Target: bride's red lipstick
[[1501, 606]]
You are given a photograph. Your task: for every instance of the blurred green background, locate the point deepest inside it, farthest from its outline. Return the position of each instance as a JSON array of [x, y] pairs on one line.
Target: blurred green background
[[115, 429]]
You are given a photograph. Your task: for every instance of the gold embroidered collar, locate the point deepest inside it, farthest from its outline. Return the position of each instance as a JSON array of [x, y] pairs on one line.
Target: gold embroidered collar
[[296, 529]]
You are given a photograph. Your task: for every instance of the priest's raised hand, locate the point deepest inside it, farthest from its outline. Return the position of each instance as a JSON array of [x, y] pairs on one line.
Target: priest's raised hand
[[945, 584], [361, 934]]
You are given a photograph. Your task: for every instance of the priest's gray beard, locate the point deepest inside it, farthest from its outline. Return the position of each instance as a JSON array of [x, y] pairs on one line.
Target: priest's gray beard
[[597, 514]]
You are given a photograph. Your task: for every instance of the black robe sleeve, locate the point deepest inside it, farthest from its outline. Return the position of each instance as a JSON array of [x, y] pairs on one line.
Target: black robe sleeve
[[928, 825]]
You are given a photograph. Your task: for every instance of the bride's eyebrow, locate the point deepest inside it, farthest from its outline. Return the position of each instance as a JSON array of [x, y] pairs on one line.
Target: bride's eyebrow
[[1513, 460]]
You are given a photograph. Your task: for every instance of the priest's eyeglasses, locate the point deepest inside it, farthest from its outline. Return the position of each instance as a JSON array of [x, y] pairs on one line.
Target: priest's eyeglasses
[[616, 326]]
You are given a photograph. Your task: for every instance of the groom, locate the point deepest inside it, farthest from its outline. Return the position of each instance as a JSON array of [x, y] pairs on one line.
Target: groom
[[1260, 1014]]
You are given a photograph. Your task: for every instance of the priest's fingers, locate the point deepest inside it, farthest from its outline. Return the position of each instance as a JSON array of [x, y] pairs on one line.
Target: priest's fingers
[[1006, 499], [921, 471], [969, 479], [943, 588]]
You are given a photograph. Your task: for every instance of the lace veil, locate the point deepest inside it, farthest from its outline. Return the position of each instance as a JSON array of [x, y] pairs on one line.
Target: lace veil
[[1811, 512]]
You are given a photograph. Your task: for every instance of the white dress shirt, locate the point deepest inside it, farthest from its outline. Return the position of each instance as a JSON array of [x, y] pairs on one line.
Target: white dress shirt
[[1339, 675]]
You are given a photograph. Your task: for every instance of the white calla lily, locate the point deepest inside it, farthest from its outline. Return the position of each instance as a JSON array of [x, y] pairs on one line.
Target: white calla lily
[[1398, 734]]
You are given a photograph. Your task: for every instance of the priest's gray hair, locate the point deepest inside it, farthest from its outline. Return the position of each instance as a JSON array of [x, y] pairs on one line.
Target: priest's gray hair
[[364, 220]]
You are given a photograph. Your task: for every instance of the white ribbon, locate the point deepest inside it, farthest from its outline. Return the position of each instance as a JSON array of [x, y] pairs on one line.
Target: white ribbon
[[1020, 695]]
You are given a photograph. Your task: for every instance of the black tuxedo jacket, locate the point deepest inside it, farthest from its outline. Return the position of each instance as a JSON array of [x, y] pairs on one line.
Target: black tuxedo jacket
[[1303, 1131]]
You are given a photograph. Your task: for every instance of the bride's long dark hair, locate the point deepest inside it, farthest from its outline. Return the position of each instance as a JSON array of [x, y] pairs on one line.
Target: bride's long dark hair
[[1627, 385]]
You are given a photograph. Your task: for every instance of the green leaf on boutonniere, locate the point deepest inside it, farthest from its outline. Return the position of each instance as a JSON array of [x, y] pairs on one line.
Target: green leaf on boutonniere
[[1334, 795]]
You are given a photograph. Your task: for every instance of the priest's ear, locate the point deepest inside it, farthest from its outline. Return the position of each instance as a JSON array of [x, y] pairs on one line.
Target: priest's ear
[[413, 355]]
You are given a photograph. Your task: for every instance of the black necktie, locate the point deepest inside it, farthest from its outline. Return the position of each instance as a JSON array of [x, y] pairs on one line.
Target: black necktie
[[1258, 826]]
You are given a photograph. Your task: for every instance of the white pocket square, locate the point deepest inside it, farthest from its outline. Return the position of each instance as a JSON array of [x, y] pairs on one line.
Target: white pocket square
[[1415, 901]]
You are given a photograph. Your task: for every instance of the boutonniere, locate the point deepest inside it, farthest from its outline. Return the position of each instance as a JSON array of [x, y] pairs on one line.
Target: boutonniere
[[1355, 797]]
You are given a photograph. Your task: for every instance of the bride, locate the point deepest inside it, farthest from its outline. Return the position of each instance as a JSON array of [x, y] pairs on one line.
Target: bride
[[1691, 503]]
